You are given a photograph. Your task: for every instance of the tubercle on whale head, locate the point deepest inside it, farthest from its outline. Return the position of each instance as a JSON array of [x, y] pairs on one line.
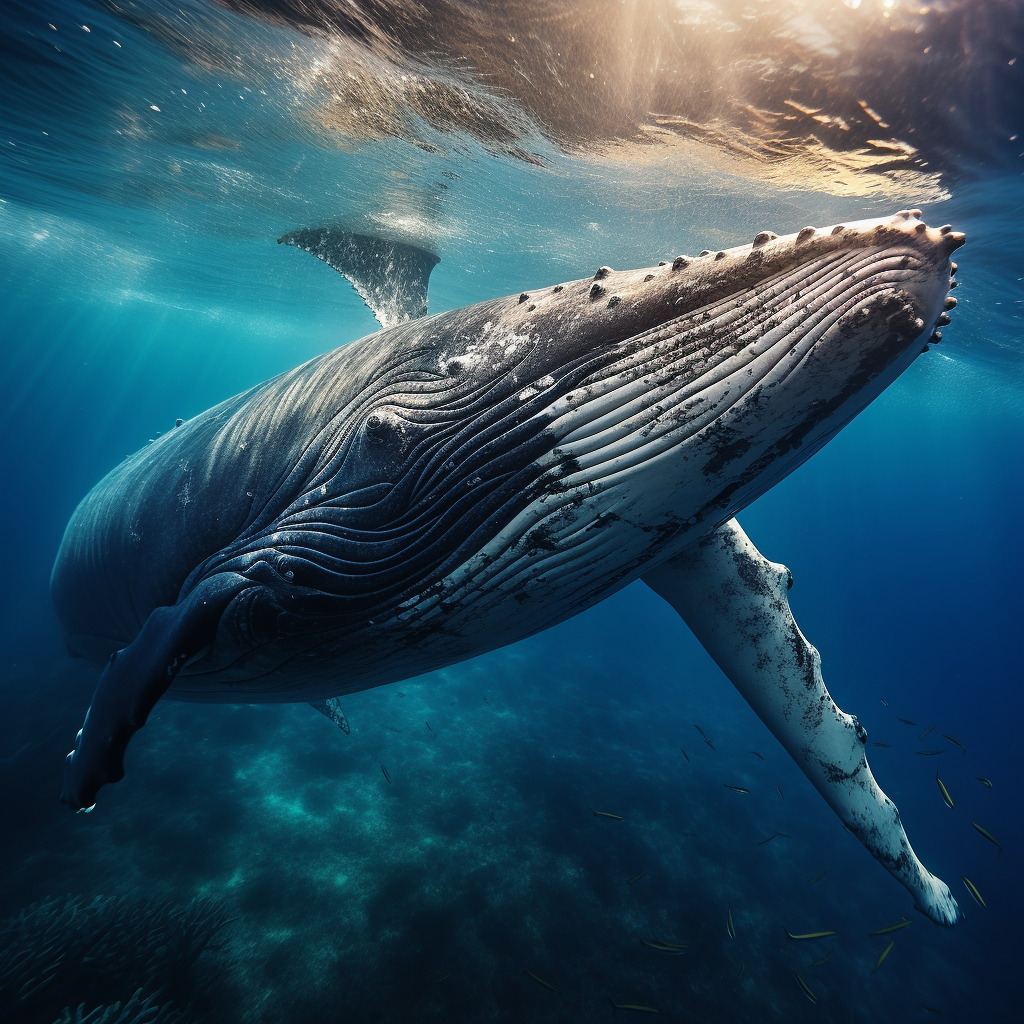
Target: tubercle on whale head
[[672, 288], [750, 358]]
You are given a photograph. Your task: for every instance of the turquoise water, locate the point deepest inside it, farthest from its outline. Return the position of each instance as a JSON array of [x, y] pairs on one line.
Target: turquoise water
[[141, 281]]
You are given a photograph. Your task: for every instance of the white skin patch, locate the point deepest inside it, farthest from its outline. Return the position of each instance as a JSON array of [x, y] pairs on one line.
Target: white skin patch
[[489, 349]]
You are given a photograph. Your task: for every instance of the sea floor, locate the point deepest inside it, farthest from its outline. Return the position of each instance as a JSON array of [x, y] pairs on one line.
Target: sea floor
[[477, 884]]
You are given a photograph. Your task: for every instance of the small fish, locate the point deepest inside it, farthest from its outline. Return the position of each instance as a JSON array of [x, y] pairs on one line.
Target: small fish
[[824, 959], [605, 814], [400, 694], [768, 840], [638, 1007], [973, 890], [492, 815], [394, 728], [906, 721], [665, 947], [487, 702], [730, 926], [892, 928], [386, 776], [779, 788], [427, 724], [736, 789], [806, 988], [452, 703], [953, 739], [701, 731], [988, 835], [761, 756], [925, 733], [929, 1009], [929, 753], [546, 984], [624, 740], [686, 755], [437, 981], [818, 878], [882, 956], [944, 791], [984, 781], [809, 935], [711, 745], [743, 967], [875, 743], [635, 878], [884, 701]]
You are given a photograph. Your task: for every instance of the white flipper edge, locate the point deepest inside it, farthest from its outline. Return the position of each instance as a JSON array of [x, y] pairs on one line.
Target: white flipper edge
[[734, 600]]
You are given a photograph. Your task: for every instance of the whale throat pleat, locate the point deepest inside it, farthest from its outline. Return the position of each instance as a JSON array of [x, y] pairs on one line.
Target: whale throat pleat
[[673, 387]]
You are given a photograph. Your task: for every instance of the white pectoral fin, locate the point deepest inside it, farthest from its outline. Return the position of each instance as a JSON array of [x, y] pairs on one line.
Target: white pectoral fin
[[735, 602]]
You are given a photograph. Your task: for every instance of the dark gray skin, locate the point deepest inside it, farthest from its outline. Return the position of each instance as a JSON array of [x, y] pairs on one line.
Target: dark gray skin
[[415, 498]]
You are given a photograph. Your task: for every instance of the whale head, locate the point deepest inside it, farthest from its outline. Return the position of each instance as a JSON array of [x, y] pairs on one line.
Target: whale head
[[544, 449], [713, 377]]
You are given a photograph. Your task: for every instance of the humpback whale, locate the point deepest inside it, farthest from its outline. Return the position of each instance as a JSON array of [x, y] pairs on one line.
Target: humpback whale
[[457, 482]]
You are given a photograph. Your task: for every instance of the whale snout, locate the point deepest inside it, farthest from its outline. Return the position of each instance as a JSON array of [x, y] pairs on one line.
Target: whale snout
[[866, 298], [820, 323], [853, 269], [927, 275]]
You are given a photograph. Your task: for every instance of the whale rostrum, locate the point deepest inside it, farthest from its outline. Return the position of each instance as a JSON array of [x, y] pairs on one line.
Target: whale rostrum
[[457, 482]]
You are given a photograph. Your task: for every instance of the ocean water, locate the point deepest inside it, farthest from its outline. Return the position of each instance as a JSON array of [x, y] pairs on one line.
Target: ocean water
[[151, 156]]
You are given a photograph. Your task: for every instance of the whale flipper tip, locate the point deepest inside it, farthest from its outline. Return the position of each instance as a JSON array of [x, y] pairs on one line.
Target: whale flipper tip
[[937, 903]]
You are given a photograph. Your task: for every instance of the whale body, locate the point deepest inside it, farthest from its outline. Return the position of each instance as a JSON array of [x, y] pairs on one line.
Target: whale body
[[458, 482]]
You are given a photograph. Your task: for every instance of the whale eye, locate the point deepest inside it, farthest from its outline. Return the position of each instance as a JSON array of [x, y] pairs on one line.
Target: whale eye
[[378, 427]]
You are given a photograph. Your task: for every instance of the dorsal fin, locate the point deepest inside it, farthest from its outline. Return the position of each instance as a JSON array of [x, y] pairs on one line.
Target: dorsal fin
[[391, 277]]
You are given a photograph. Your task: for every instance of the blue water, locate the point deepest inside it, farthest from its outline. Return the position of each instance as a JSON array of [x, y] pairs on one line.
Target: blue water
[[140, 282]]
